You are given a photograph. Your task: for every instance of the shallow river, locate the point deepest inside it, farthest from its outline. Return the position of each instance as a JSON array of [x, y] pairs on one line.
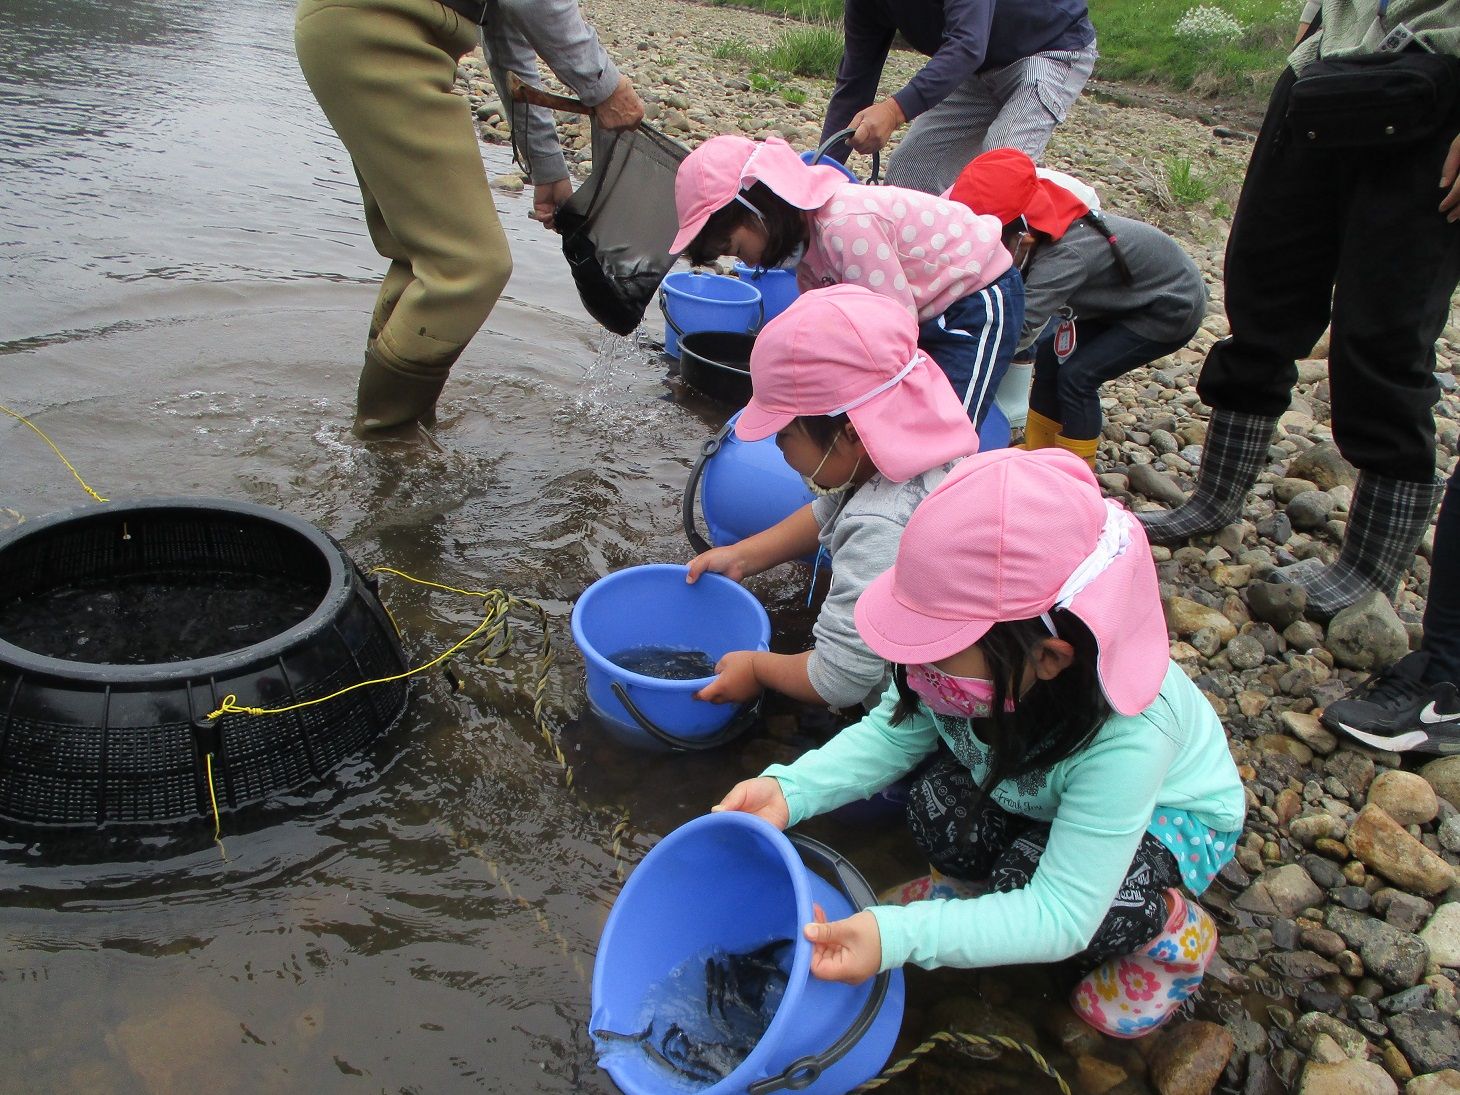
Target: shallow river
[[185, 281]]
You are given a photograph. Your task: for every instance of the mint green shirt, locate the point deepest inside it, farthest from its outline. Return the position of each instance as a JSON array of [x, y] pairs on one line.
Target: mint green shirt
[[1098, 803]]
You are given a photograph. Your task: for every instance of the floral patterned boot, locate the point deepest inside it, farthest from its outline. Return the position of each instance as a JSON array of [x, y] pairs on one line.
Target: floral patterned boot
[[933, 886], [1134, 994]]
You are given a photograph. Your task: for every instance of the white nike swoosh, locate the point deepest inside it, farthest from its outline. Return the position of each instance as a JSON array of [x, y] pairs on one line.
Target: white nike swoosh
[[1429, 716]]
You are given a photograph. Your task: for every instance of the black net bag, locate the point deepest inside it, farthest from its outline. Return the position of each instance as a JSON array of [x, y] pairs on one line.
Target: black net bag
[[617, 226]]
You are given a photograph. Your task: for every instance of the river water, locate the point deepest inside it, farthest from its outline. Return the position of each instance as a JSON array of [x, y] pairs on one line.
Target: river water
[[185, 282]]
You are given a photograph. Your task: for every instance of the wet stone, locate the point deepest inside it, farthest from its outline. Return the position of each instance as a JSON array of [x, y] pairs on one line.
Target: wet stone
[[1300, 966], [1188, 1059], [1429, 1041], [1351, 897], [1314, 1023], [1420, 996], [1354, 771], [1315, 997], [1348, 1077], [1407, 912]]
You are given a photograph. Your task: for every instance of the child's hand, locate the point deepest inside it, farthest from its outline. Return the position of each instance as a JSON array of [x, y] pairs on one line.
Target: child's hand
[[847, 950], [736, 683], [761, 796], [722, 560]]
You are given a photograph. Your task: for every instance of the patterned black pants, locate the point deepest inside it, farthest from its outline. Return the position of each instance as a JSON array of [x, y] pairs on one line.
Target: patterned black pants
[[983, 841]]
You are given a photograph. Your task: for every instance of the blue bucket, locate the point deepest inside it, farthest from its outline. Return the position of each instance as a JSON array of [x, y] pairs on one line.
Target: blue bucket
[[733, 881], [693, 300], [815, 159], [994, 433], [778, 288], [744, 487], [653, 606]]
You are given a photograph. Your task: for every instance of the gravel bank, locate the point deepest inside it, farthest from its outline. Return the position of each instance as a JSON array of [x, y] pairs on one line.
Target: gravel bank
[[1337, 970]]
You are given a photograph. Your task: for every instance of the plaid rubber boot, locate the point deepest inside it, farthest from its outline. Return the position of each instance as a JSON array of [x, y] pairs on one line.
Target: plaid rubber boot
[[1385, 526], [1235, 451]]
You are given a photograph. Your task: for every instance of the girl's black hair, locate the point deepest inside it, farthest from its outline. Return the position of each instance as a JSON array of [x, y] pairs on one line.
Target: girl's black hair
[[785, 227], [821, 428], [1055, 720]]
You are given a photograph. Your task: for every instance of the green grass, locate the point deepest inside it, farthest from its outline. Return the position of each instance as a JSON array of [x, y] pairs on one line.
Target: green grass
[[1136, 43], [1186, 188], [1135, 38]]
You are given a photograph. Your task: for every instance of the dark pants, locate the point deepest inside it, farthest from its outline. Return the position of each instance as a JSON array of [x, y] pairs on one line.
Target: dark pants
[[1442, 611], [974, 340], [1068, 392], [983, 841], [1355, 234]]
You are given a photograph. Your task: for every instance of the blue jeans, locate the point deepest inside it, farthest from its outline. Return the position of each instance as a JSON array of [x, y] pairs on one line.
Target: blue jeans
[[1069, 392], [973, 341]]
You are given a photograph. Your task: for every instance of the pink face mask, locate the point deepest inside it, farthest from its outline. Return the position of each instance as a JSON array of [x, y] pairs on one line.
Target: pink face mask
[[961, 697]]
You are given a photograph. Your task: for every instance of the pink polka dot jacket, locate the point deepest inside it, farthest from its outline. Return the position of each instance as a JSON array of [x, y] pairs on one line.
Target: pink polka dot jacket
[[922, 250]]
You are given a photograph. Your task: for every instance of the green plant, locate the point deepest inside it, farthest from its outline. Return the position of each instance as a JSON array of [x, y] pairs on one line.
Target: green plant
[[1187, 189], [807, 51]]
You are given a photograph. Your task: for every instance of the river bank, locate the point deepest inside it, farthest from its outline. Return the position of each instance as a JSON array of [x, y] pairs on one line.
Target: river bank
[[1337, 970]]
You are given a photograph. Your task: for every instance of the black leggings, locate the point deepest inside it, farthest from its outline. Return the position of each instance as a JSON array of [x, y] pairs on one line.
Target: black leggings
[[983, 841]]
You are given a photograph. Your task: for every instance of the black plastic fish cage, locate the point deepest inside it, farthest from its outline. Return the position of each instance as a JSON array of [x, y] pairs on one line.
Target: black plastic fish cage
[[122, 626]]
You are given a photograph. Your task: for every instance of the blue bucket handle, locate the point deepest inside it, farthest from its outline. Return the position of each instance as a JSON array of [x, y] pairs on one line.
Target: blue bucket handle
[[697, 542], [669, 320], [733, 730], [805, 1071], [843, 135]]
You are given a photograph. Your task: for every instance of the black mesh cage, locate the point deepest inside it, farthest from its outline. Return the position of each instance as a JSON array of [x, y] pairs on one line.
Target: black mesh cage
[[87, 743]]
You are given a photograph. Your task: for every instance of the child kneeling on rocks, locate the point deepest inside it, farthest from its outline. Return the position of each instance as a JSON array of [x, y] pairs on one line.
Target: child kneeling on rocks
[[872, 425], [1076, 770], [945, 264], [1120, 294]]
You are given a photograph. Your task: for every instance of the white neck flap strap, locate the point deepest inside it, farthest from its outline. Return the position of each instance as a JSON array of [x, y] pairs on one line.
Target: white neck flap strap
[[875, 392], [1114, 541]]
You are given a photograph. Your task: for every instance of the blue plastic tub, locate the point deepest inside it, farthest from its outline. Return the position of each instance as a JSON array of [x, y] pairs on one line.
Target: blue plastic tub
[[827, 161], [994, 433], [747, 488], [653, 606], [778, 288], [693, 300], [733, 881]]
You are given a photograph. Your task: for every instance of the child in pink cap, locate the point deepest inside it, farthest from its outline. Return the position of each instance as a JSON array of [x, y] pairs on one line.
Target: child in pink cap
[[942, 262], [1075, 771], [873, 425]]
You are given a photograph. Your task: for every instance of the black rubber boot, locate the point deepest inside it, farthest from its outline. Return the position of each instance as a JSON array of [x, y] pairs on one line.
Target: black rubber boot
[[1385, 526], [393, 394], [1235, 451]]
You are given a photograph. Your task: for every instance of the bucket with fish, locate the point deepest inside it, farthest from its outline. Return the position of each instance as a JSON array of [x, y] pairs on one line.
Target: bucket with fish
[[650, 641], [703, 977]]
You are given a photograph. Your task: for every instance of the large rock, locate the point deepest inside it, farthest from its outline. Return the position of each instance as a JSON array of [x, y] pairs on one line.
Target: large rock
[[1429, 1041], [1188, 1060], [1346, 1078], [1395, 958], [1323, 466], [1186, 617], [1442, 935], [1444, 776], [1367, 634], [1277, 603], [1283, 891], [1383, 845], [1145, 479], [1405, 797], [1446, 1082]]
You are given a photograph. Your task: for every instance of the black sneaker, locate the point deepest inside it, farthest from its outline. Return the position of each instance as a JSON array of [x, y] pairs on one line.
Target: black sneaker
[[1397, 710]]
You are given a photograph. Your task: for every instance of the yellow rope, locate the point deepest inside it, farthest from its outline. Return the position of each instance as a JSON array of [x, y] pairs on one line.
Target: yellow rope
[[41, 434], [967, 1044]]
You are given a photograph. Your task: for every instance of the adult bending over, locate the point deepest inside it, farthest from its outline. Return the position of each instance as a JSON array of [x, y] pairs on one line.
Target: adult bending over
[[384, 73], [1002, 74]]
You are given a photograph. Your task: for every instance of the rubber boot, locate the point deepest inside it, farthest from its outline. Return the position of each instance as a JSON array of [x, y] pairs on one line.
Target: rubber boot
[[397, 279], [933, 886], [1134, 994], [1235, 451], [393, 393], [1385, 525], [1039, 431], [1085, 450]]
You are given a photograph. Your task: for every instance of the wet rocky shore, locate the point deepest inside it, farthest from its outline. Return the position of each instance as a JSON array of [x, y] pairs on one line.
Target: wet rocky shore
[[1339, 964]]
